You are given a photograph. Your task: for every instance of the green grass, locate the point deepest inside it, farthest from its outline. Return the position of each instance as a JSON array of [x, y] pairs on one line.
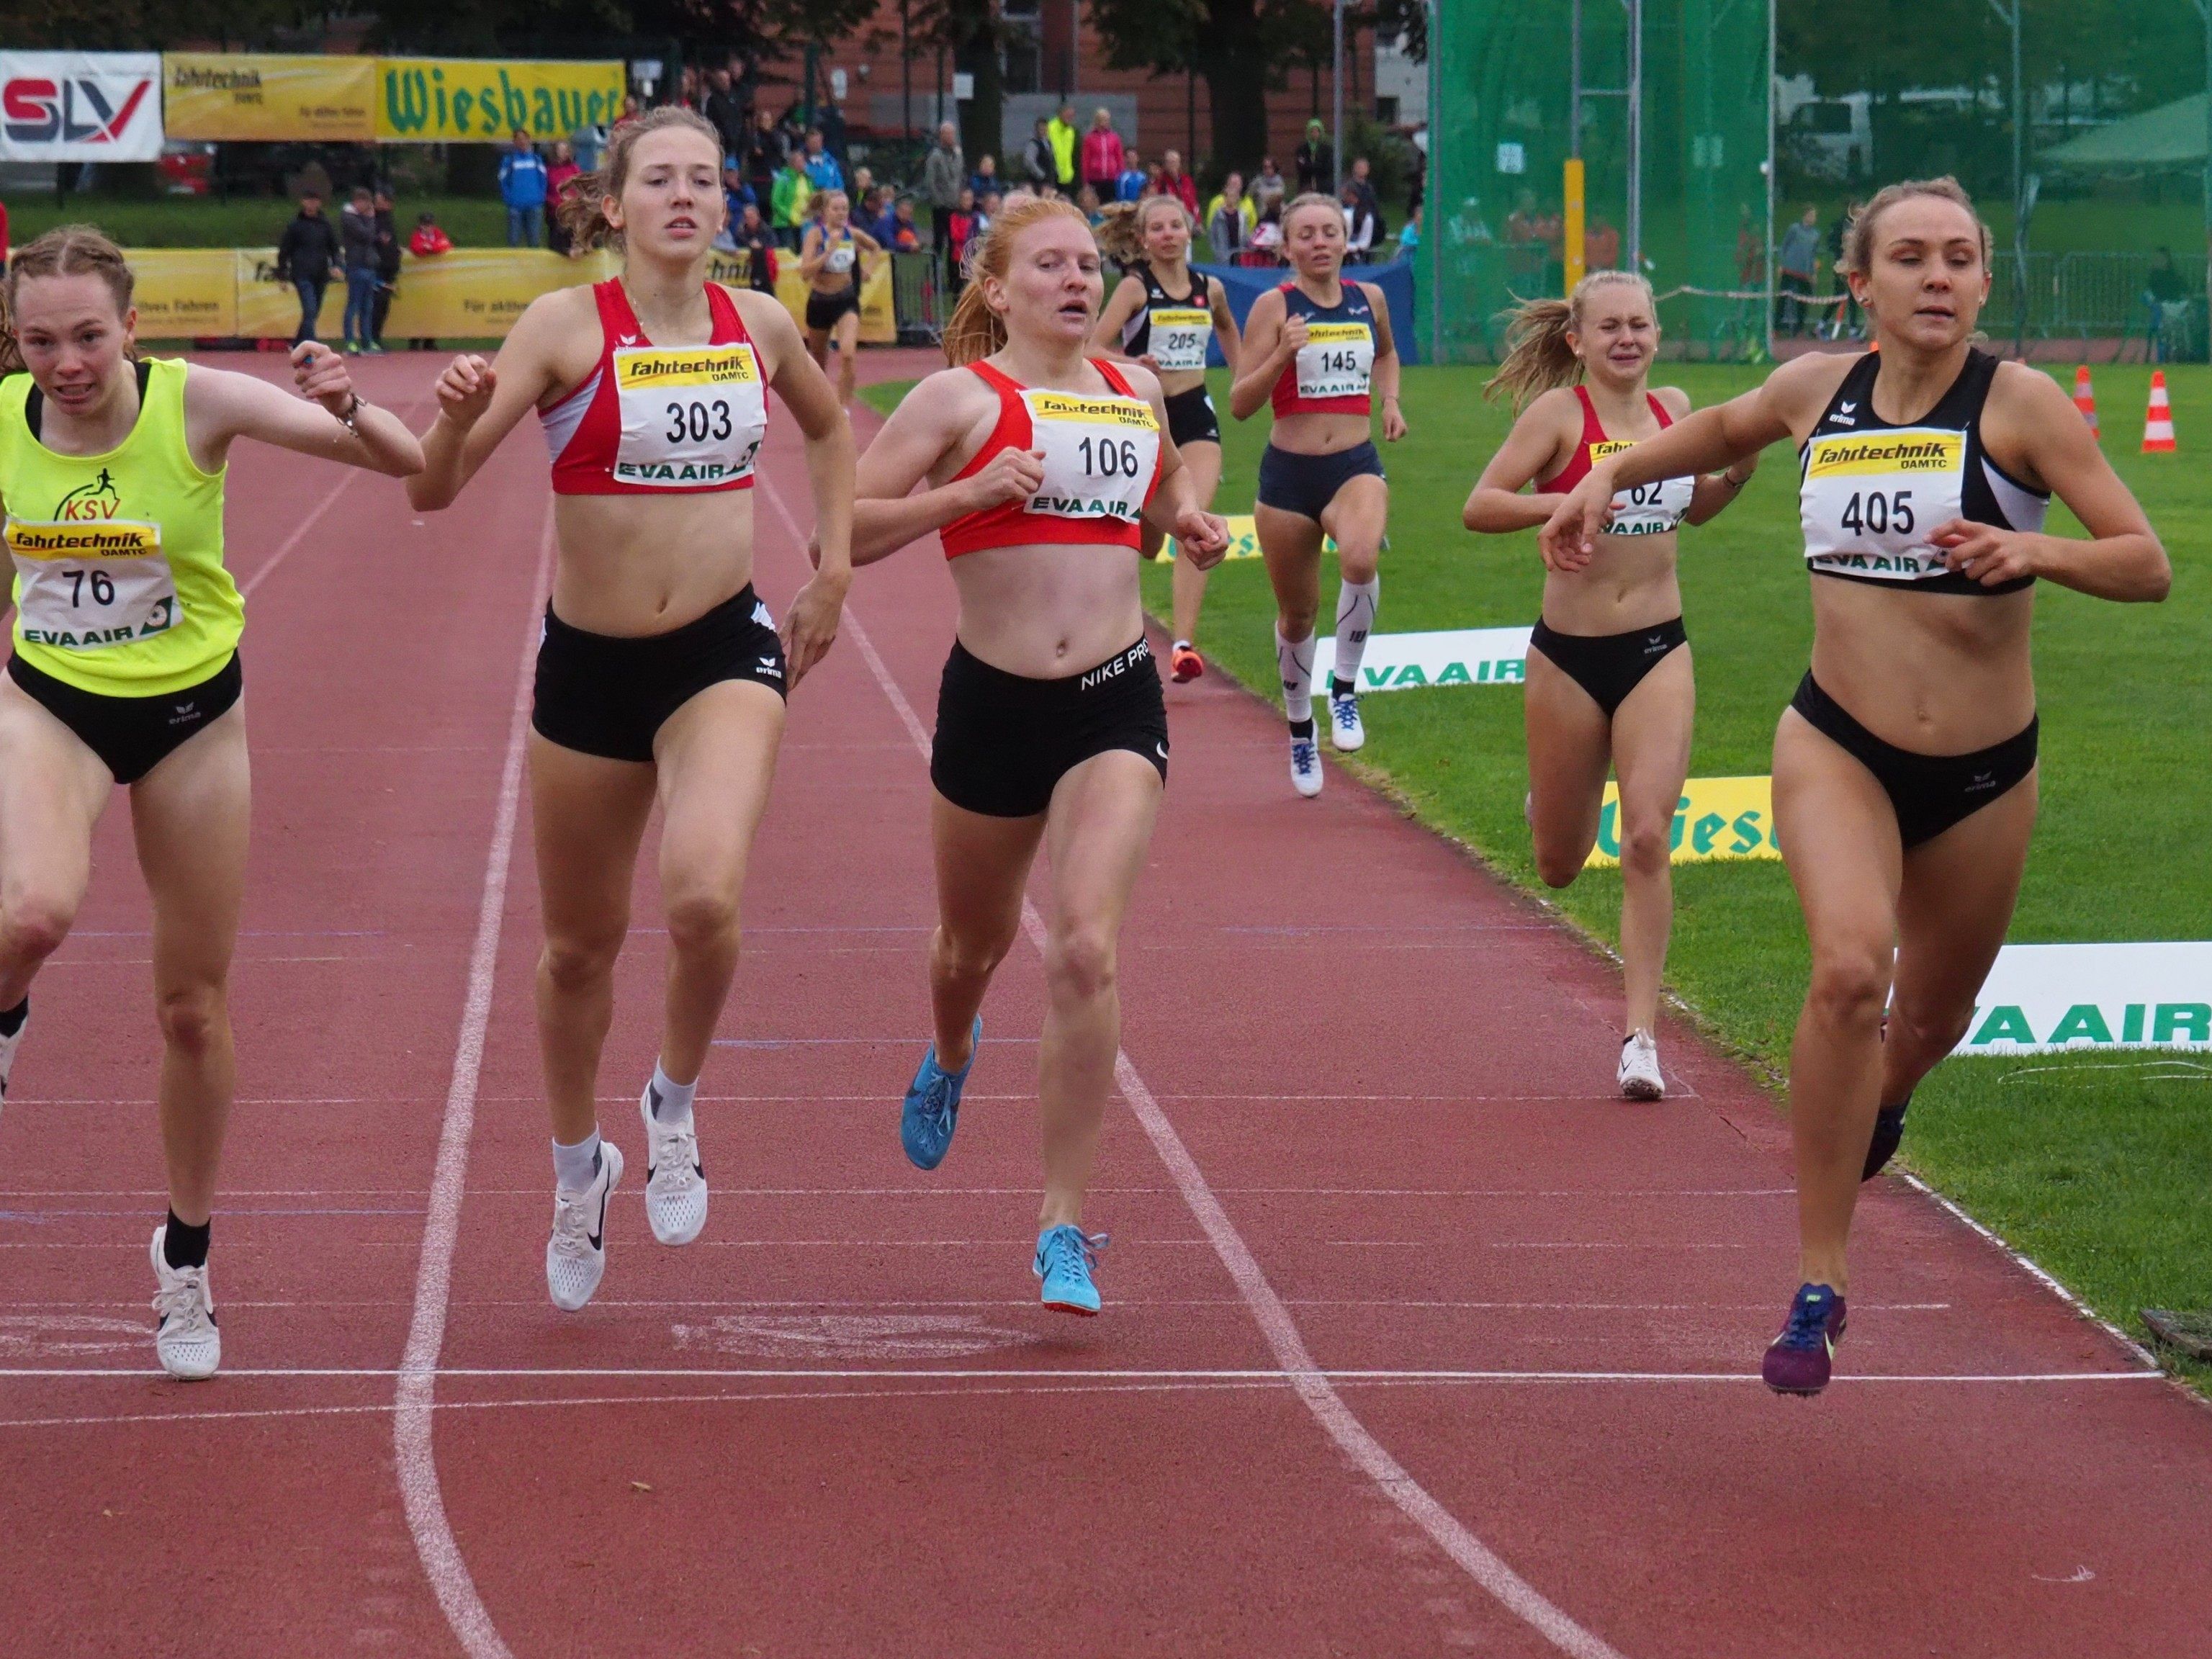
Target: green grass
[[2095, 1167], [241, 221]]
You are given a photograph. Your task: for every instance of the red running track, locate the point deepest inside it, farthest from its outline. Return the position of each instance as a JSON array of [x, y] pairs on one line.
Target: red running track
[[1416, 1341]]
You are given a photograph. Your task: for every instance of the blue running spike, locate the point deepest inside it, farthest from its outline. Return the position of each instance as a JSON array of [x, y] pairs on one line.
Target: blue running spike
[[932, 1105], [1065, 1256]]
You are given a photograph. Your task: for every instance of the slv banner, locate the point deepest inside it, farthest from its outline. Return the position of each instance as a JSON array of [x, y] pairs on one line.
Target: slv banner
[[247, 95], [79, 105], [2050, 998], [1715, 819], [1465, 656], [434, 101]]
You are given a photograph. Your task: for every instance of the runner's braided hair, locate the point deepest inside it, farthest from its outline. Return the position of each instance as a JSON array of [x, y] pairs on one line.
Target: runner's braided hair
[[1537, 355], [977, 331], [582, 209], [64, 251]]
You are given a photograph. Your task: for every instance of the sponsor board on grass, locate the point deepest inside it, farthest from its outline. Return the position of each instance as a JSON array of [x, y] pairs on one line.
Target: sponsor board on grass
[[2052, 999], [1715, 818], [1459, 656], [1244, 533]]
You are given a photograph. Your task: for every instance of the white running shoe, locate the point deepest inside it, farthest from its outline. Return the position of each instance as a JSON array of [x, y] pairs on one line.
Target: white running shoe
[[1305, 766], [1639, 1068], [1346, 733], [8, 1047], [576, 1254], [675, 1182], [187, 1341]]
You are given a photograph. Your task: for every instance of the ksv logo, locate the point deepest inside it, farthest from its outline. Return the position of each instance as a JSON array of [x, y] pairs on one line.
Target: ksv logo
[[77, 110]]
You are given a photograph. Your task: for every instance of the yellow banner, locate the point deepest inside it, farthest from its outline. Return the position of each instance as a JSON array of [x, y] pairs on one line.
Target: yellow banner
[[434, 101], [878, 318], [1717, 818], [247, 95], [186, 293], [267, 309], [474, 293]]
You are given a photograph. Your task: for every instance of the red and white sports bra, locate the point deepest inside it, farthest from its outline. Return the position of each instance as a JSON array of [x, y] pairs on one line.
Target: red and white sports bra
[[1102, 464], [1651, 509], [652, 419]]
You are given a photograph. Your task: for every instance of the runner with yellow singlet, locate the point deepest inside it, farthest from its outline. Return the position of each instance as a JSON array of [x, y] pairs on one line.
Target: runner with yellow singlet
[[126, 671]]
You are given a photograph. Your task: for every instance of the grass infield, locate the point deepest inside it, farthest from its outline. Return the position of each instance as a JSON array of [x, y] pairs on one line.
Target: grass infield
[[2094, 1165]]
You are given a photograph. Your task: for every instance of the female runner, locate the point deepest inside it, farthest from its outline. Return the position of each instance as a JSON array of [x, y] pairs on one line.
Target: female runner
[[126, 671], [1610, 678], [1160, 315], [1904, 774], [1041, 465], [661, 678], [830, 259], [1321, 349]]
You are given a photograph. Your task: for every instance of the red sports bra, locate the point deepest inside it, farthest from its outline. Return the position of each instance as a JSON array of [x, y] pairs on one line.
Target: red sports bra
[[1651, 509], [1102, 464], [660, 419]]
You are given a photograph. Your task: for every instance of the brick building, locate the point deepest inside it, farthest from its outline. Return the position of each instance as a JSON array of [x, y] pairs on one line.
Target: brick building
[[1062, 53]]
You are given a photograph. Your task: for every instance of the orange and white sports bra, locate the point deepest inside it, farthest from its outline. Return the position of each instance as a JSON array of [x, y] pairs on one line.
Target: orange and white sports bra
[[1102, 464]]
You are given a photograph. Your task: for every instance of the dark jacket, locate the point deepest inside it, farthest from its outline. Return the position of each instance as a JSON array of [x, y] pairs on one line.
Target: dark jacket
[[388, 247], [358, 231], [307, 250], [726, 111]]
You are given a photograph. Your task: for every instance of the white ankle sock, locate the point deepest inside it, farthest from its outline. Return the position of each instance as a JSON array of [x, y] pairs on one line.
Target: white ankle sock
[[576, 1167], [1355, 619], [671, 1101], [1297, 663]]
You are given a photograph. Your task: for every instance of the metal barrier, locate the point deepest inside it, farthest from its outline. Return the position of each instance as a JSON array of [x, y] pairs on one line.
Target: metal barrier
[[918, 297]]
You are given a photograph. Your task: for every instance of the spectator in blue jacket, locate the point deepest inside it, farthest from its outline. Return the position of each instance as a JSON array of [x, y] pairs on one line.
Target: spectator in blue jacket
[[522, 187], [821, 169]]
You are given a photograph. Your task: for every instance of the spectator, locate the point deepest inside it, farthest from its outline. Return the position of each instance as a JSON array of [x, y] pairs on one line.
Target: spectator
[[1230, 219], [427, 242], [1366, 186], [831, 119], [1359, 225], [1409, 237], [1087, 199], [1601, 246], [737, 195], [988, 210], [986, 178], [725, 111], [1135, 181], [357, 234], [1315, 162], [1268, 236], [1102, 155], [522, 187], [822, 172], [1174, 181], [863, 182], [305, 253], [787, 201], [1797, 263], [763, 154], [906, 235], [561, 173], [1066, 141], [1038, 163], [1846, 319], [956, 231], [875, 216], [387, 264], [943, 173], [2166, 302], [753, 239], [1268, 186]]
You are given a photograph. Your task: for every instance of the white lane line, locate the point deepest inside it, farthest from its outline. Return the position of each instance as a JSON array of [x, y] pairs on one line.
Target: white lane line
[[442, 1562], [956, 1374], [1444, 1530]]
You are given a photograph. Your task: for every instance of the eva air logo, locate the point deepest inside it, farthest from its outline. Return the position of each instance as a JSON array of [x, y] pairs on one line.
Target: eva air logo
[[2090, 1025], [89, 503]]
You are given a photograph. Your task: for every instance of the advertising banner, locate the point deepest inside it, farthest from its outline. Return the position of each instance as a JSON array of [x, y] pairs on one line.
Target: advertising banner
[[187, 293], [1462, 656], [268, 309], [2052, 999], [878, 321], [226, 95], [433, 100], [1715, 818], [79, 105]]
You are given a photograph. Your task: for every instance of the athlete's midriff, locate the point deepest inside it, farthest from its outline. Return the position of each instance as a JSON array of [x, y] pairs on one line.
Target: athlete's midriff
[[1048, 609], [1320, 435], [1630, 582], [631, 565], [1934, 674]]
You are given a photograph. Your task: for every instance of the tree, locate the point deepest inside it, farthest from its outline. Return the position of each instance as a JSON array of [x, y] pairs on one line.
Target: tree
[[1241, 47], [972, 31]]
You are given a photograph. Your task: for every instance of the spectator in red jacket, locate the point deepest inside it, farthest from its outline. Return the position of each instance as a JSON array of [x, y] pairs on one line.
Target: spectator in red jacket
[[1101, 155], [428, 240], [1172, 181]]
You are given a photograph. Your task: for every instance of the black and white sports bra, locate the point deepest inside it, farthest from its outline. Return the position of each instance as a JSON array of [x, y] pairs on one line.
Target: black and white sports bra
[[1174, 332], [1870, 493]]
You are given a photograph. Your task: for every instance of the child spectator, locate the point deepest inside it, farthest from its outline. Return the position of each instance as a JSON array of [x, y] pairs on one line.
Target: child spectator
[[1134, 181], [906, 235]]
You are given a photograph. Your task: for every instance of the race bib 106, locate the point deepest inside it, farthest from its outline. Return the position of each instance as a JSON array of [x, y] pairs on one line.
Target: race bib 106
[[84, 586], [1100, 455], [692, 416]]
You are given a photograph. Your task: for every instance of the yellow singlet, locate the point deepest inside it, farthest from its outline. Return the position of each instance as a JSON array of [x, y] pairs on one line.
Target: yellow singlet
[[120, 587]]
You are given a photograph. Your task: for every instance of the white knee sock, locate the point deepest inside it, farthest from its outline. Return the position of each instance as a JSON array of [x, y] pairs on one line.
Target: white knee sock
[[671, 1101], [1355, 620], [1297, 663], [576, 1167]]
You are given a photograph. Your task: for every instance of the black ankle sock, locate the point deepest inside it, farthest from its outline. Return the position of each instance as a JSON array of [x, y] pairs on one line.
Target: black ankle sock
[[1303, 728], [1338, 688], [186, 1246], [12, 1021]]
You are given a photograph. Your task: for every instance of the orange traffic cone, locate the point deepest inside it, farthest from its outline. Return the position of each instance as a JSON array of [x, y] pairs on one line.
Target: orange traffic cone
[[2085, 399], [2158, 424]]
